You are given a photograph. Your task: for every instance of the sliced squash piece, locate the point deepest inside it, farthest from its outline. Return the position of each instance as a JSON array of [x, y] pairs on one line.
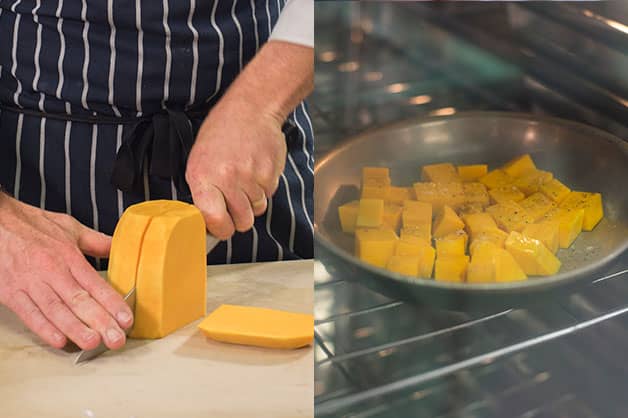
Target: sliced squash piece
[[259, 327]]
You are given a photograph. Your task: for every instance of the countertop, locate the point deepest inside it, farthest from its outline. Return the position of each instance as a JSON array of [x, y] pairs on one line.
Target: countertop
[[182, 375]]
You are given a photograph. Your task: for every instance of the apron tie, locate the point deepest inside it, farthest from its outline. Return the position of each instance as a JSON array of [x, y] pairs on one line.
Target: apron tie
[[160, 143], [163, 142]]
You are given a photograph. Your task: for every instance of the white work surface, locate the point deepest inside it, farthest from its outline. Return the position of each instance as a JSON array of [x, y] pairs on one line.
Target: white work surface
[[182, 375]]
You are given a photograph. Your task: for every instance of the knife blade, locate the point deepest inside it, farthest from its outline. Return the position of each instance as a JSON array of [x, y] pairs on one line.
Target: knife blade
[[211, 242], [86, 355]]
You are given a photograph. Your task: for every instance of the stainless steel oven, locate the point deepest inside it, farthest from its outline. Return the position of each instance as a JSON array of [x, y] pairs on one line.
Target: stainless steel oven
[[382, 62]]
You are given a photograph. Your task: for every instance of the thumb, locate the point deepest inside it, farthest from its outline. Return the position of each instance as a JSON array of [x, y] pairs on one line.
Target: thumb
[[92, 242]]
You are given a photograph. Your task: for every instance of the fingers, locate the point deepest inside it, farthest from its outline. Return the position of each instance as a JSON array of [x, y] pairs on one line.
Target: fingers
[[34, 319], [62, 318], [89, 311], [240, 209], [89, 241], [92, 242], [114, 304], [211, 202], [257, 198]]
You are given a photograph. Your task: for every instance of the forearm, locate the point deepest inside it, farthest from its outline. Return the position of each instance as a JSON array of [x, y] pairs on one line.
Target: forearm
[[278, 78]]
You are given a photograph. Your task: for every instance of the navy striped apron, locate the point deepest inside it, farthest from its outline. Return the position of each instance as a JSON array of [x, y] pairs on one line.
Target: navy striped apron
[[104, 65]]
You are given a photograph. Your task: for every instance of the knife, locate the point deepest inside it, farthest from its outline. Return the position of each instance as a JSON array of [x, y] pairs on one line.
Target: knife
[[85, 355]]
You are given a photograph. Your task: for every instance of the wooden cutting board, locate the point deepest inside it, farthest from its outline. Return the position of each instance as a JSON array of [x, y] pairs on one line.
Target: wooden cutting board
[[182, 375]]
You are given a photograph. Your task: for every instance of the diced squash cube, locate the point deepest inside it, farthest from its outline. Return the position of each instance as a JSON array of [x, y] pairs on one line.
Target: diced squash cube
[[348, 214], [446, 222], [509, 216], [451, 268], [417, 247], [375, 173], [481, 249], [451, 194], [478, 222], [399, 195], [452, 244], [533, 257], [547, 232], [403, 264], [370, 213], [416, 214], [506, 194], [555, 190], [375, 188], [426, 262], [492, 263], [537, 205], [496, 178], [392, 216], [375, 246], [506, 267], [411, 245], [519, 166], [481, 270], [569, 224], [531, 182], [495, 237], [421, 231], [440, 173], [590, 202], [469, 208], [476, 193], [472, 172]]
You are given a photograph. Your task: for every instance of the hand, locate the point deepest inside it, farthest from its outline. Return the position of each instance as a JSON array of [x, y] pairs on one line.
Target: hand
[[48, 283], [234, 166], [240, 151]]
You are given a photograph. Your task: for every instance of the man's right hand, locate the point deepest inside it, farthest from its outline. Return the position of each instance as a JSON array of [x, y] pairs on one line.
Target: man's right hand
[[46, 280]]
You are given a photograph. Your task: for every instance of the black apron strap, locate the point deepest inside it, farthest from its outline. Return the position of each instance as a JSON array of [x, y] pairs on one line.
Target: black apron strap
[[160, 144]]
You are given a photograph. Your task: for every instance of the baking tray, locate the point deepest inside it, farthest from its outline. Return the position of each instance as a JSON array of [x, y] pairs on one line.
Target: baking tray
[[582, 157]]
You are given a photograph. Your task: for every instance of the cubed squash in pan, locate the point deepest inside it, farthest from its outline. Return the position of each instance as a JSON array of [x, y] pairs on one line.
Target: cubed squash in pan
[[370, 213], [446, 222], [472, 172], [348, 214], [533, 257], [475, 193], [555, 190], [537, 205], [496, 178], [531, 182], [519, 166], [404, 264], [451, 268], [590, 202], [509, 216], [548, 232], [440, 194], [506, 194], [375, 246], [454, 243], [416, 214], [478, 222], [569, 224], [392, 215], [440, 173], [399, 195]]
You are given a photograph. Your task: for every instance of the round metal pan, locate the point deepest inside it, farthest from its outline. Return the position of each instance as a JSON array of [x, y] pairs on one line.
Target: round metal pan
[[582, 157]]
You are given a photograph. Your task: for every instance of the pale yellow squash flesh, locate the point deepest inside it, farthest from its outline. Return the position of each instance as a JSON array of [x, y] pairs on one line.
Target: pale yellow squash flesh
[[259, 327]]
